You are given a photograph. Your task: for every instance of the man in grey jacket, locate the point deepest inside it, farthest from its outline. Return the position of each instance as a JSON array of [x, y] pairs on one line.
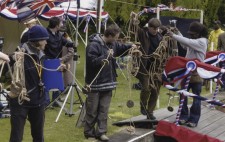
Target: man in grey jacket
[[196, 47]]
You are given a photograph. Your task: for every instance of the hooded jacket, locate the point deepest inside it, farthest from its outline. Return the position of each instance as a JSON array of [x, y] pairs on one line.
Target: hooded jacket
[[96, 51]]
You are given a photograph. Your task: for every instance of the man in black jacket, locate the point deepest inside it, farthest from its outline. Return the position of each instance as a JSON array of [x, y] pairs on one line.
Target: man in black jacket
[[55, 45], [26, 94], [101, 79]]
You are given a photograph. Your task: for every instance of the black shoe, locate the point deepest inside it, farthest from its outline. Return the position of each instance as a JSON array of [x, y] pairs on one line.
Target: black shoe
[[103, 138], [89, 136], [192, 125], [151, 116]]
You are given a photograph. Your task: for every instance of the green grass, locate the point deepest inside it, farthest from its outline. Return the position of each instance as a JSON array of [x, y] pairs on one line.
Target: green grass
[[65, 131]]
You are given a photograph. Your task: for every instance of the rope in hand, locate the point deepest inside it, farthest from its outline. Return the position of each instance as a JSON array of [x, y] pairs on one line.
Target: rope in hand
[[105, 62]]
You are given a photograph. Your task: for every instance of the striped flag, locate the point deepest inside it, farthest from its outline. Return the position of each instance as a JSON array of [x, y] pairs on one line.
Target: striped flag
[[23, 11], [42, 6], [28, 9], [3, 4]]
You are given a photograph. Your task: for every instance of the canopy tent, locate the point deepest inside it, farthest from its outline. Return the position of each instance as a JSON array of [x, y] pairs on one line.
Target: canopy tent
[[86, 12], [62, 9]]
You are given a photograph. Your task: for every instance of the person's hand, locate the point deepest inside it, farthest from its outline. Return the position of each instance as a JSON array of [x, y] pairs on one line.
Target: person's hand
[[4, 57], [134, 46], [174, 30], [18, 55], [169, 33], [133, 14], [110, 53], [62, 67], [15, 89], [135, 50]]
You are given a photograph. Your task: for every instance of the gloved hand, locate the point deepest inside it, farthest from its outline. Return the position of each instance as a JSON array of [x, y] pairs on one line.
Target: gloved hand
[[15, 89]]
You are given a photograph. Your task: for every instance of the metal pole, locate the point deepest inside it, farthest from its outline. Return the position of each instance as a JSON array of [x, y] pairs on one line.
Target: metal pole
[[158, 13], [75, 59], [201, 16], [99, 12]]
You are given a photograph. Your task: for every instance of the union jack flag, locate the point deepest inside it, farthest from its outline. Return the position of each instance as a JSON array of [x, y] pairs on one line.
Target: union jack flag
[[3, 4], [42, 6], [23, 3]]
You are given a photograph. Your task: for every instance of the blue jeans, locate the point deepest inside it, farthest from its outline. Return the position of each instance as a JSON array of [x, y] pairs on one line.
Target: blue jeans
[[195, 111], [55, 94]]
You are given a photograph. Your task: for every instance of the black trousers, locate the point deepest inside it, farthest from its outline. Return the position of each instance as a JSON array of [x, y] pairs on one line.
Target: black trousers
[[36, 117]]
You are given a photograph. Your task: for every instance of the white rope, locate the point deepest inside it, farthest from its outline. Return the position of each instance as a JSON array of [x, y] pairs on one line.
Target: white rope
[[141, 136]]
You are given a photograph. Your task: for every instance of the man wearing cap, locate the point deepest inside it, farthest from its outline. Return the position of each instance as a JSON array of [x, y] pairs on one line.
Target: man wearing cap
[[32, 107], [28, 24], [213, 36], [196, 47], [149, 38]]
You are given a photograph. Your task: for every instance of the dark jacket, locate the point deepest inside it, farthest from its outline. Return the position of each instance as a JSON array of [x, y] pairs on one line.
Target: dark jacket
[[147, 48], [55, 43], [32, 79], [96, 51]]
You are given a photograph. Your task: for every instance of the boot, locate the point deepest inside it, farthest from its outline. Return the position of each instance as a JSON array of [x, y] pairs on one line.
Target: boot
[[151, 116], [143, 109]]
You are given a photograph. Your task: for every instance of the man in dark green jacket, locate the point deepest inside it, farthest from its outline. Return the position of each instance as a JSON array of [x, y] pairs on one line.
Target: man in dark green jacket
[[149, 37]]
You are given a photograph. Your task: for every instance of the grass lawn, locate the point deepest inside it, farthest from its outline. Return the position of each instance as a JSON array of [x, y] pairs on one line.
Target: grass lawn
[[65, 131]]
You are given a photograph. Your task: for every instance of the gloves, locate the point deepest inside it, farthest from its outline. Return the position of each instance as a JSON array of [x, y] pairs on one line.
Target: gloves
[[15, 90]]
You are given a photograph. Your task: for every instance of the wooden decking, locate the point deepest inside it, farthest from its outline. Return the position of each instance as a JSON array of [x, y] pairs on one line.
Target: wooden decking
[[212, 123]]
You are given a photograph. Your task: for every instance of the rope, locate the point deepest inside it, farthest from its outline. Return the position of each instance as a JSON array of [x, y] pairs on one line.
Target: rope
[[105, 61], [18, 76]]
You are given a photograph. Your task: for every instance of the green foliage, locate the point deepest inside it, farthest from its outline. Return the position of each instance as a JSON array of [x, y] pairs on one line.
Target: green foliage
[[221, 12], [120, 10], [211, 7]]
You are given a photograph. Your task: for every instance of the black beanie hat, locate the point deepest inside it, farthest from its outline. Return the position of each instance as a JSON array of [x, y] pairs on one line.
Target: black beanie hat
[[195, 28], [37, 33]]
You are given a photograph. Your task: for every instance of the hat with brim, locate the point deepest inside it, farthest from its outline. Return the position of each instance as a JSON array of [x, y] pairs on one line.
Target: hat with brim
[[30, 21]]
